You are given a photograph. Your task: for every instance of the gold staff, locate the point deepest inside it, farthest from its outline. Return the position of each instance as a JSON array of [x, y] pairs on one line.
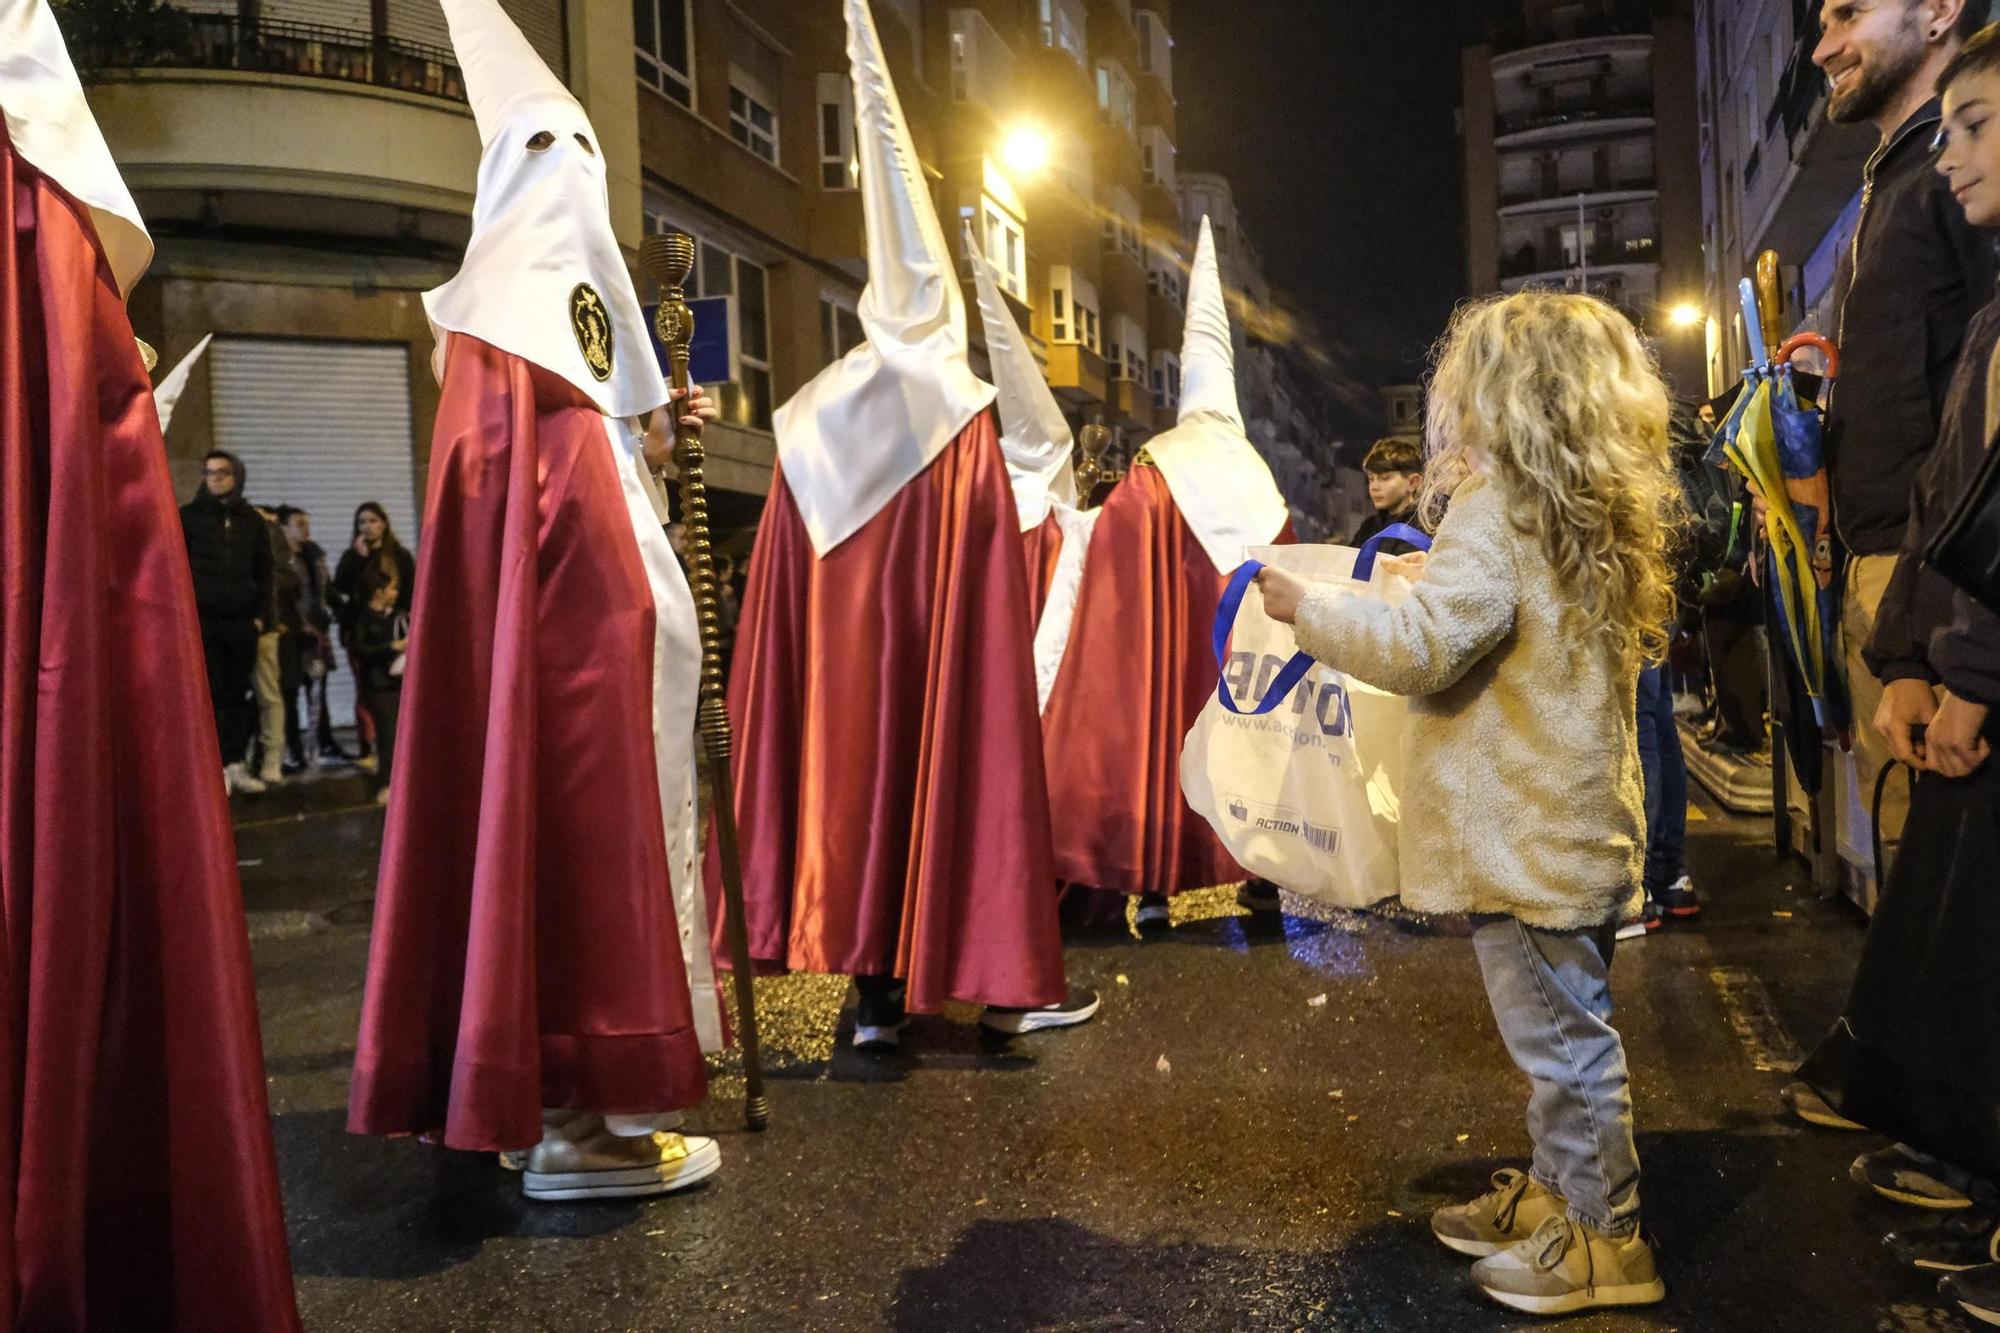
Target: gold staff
[[1770, 300], [1094, 441], [669, 259]]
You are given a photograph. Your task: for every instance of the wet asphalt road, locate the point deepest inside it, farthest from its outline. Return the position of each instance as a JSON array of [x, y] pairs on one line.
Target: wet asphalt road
[[1250, 1136]]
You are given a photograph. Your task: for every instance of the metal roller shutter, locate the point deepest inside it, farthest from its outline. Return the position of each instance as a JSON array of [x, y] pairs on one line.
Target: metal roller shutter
[[345, 15], [420, 22], [322, 426], [545, 25]]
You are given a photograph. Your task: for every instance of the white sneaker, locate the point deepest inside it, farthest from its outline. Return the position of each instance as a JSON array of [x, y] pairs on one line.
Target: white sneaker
[[237, 778]]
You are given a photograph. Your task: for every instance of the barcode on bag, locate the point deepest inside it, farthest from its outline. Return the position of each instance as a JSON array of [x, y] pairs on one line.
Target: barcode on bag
[[1322, 839]]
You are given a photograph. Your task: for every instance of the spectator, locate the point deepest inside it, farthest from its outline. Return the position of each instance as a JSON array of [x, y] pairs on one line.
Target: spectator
[[372, 536], [1906, 289], [229, 554], [1395, 471], [379, 637], [1907, 286], [277, 649], [1520, 653], [310, 725], [1916, 1053]]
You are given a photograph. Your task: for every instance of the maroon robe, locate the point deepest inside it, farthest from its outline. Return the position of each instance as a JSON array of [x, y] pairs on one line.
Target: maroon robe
[[1041, 548], [889, 784], [525, 953], [138, 1189], [1139, 668]]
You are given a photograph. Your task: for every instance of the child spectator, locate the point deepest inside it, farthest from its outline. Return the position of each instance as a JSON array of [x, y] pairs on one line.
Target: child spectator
[[1520, 652], [380, 635]]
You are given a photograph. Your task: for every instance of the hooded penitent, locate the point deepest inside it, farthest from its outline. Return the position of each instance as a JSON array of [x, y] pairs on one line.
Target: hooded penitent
[[543, 276], [865, 426], [883, 648], [525, 952], [140, 1185], [167, 394], [1220, 484], [1033, 434]]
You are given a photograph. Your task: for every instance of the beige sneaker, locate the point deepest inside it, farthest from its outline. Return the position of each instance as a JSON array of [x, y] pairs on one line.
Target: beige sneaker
[[578, 1158], [1505, 1215], [1566, 1266]]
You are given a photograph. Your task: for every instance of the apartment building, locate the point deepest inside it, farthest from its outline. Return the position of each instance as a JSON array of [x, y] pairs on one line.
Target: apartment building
[[1581, 159]]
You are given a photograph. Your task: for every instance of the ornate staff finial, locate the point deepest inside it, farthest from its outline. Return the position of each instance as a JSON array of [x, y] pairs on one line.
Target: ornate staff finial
[[1093, 441]]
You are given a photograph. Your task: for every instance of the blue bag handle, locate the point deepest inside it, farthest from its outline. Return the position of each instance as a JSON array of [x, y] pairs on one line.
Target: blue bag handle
[[1288, 676], [1364, 564]]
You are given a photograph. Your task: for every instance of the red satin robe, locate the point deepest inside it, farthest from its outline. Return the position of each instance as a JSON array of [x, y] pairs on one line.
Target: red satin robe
[[138, 1189], [525, 952], [1139, 668], [1041, 548], [889, 784]]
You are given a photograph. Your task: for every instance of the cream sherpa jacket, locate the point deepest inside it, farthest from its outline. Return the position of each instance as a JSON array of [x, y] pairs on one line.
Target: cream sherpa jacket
[[1522, 788]]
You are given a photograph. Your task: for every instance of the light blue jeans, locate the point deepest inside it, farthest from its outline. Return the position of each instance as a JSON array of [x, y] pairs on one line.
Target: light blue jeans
[[1551, 996]]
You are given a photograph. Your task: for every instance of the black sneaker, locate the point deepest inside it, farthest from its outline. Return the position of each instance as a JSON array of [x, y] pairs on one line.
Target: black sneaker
[[1154, 914], [1961, 1241], [1259, 895], [1903, 1175], [1679, 900], [1079, 1006], [879, 1020], [1977, 1291]]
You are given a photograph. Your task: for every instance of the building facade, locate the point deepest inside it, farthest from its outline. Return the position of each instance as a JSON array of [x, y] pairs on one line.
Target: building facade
[[1581, 152]]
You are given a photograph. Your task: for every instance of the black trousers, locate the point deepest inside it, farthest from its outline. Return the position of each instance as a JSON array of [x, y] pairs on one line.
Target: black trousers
[[230, 647], [1916, 1054], [387, 707]]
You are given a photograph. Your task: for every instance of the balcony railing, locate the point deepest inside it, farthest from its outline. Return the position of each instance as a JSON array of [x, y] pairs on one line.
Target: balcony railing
[[1602, 183], [1572, 111], [170, 38], [1622, 18], [1527, 259]]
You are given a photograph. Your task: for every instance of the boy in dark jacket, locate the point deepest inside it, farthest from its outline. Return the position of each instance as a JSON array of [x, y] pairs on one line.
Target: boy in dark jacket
[[1915, 1054], [1395, 471]]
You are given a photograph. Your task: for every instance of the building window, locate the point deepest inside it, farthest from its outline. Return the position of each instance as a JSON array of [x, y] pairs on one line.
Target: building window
[[1127, 353], [839, 169], [1121, 223], [1073, 310], [752, 123], [1156, 153], [664, 33], [839, 330], [1063, 28], [1167, 382], [1156, 48], [911, 13], [755, 75], [1117, 101], [1004, 238], [1163, 274]]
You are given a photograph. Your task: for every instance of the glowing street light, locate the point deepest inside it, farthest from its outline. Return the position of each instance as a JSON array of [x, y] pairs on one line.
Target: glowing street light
[[1025, 151], [1686, 315]]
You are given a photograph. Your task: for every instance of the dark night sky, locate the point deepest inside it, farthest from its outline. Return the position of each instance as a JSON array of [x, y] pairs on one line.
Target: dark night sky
[[1334, 121]]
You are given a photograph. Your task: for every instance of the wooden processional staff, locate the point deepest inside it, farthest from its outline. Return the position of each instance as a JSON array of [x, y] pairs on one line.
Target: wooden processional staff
[[669, 260]]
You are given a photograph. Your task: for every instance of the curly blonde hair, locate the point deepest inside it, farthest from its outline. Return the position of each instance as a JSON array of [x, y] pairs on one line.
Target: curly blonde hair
[[1557, 400]]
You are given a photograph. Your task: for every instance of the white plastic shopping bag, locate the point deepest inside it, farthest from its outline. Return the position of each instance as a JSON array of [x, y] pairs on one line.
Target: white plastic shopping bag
[[1296, 766]]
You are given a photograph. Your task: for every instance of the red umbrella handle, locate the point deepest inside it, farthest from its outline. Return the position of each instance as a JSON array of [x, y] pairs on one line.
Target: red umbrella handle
[[1826, 349]]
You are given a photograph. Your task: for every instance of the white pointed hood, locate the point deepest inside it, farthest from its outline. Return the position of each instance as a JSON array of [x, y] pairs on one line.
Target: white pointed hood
[[543, 276], [167, 395], [1034, 437], [51, 126], [1220, 483], [868, 424]]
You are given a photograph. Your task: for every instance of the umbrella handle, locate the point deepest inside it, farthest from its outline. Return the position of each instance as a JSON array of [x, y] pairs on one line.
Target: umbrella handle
[[1801, 340]]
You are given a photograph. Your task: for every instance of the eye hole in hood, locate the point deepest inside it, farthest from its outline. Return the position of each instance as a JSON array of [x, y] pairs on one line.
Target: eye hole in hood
[[586, 145], [542, 142]]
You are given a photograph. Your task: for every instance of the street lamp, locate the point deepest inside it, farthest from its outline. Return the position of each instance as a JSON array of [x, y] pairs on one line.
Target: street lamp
[[1025, 151], [1686, 315]]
